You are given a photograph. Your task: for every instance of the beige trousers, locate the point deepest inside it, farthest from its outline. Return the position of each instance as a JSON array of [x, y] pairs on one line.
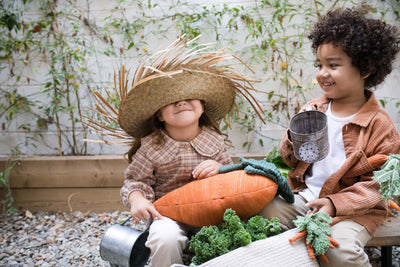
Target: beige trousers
[[351, 236], [167, 239]]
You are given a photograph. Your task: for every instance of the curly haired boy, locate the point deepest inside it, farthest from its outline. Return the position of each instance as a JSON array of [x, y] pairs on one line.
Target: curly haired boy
[[354, 53]]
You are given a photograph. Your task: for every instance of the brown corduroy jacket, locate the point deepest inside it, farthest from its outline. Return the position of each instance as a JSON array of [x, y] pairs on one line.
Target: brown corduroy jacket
[[351, 188]]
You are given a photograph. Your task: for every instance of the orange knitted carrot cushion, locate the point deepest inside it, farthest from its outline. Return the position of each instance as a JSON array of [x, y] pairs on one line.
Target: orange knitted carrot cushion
[[203, 202]]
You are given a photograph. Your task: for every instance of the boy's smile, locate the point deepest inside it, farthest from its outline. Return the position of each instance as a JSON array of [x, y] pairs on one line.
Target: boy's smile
[[339, 79]]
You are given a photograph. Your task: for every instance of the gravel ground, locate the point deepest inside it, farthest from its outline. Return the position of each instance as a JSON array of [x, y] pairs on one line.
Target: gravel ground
[[71, 239]]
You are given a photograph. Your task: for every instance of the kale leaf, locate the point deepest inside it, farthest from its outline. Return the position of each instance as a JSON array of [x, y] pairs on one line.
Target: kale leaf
[[213, 241]]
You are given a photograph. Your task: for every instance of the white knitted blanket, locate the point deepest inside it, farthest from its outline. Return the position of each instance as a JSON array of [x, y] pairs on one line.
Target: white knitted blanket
[[271, 252]]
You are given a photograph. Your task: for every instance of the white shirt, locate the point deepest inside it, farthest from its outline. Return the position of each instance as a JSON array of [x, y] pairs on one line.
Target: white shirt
[[321, 170]]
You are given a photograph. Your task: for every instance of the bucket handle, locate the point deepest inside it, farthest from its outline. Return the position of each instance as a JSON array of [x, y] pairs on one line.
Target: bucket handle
[[126, 220], [147, 226]]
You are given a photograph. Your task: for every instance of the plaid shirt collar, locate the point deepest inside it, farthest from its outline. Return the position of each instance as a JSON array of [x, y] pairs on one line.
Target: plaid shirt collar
[[206, 143]]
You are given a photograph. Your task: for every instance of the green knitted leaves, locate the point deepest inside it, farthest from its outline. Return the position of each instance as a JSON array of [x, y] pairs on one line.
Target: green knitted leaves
[[389, 177], [317, 226]]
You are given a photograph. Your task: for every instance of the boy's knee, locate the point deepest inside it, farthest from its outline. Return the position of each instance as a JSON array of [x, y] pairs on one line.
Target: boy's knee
[[347, 255], [272, 209], [352, 238]]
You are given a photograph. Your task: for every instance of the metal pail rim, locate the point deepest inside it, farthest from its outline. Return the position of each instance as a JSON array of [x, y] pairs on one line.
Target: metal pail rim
[[293, 120], [124, 246]]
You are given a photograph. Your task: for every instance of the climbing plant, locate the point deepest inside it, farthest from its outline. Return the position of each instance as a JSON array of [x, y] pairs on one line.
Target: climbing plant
[[53, 53], [8, 200]]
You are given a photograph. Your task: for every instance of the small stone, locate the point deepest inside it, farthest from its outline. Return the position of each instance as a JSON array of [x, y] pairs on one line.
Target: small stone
[[28, 214]]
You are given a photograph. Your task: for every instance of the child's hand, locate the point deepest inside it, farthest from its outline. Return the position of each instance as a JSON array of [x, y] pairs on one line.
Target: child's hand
[[142, 208], [322, 204], [206, 169]]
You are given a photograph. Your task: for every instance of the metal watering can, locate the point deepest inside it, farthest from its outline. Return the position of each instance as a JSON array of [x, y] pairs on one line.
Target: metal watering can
[[309, 134], [125, 246]]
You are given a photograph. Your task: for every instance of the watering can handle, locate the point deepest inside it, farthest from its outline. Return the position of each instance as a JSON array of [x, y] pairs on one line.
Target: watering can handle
[[126, 220], [148, 224]]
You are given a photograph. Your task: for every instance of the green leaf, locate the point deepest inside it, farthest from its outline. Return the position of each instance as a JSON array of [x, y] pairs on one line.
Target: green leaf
[[317, 226], [388, 177]]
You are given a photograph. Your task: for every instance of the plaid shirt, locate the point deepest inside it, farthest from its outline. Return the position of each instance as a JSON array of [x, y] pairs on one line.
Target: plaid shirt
[[158, 169]]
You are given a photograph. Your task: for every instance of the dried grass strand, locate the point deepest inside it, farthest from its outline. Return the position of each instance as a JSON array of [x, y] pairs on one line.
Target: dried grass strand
[[174, 59]]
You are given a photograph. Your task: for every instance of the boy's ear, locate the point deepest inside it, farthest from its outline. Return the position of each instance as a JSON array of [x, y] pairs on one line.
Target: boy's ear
[[366, 76]]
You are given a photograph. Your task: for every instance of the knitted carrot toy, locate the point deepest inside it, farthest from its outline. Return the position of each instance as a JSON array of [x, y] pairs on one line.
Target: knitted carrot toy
[[389, 179], [315, 228]]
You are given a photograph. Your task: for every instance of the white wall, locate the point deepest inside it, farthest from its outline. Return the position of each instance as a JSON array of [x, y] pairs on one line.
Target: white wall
[[103, 68]]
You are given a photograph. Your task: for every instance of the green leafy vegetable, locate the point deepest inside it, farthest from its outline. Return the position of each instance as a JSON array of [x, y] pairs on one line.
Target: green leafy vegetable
[[276, 158], [233, 229], [389, 177], [213, 241], [260, 228], [317, 226]]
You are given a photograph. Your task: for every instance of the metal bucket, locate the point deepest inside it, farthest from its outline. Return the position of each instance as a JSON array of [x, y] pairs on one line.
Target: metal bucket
[[309, 134], [124, 246]]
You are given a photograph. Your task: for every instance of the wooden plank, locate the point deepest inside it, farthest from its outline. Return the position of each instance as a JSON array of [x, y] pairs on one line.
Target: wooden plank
[[57, 199], [91, 182], [68, 171], [72, 171], [388, 234], [235, 159]]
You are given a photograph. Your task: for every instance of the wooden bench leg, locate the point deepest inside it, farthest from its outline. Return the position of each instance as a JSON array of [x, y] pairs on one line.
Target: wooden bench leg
[[386, 256]]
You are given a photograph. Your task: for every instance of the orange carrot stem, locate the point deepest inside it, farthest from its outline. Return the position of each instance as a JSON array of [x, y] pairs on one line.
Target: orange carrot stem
[[333, 241], [298, 236], [377, 160], [323, 258], [310, 251], [393, 205], [390, 212]]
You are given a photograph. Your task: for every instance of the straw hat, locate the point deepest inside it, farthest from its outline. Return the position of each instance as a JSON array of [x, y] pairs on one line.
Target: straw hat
[[175, 73], [143, 101]]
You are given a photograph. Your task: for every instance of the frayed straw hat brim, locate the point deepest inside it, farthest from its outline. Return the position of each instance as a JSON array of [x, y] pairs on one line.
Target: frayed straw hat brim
[[175, 73], [143, 101]]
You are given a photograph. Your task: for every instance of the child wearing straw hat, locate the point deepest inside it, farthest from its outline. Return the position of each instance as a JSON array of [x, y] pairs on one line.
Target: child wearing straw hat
[[354, 53], [186, 144], [172, 111]]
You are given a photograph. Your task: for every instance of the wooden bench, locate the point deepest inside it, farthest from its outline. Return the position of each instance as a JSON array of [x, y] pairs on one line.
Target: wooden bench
[[387, 236]]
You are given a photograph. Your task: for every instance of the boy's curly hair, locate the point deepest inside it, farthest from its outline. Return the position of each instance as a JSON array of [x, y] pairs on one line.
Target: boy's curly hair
[[370, 43]]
